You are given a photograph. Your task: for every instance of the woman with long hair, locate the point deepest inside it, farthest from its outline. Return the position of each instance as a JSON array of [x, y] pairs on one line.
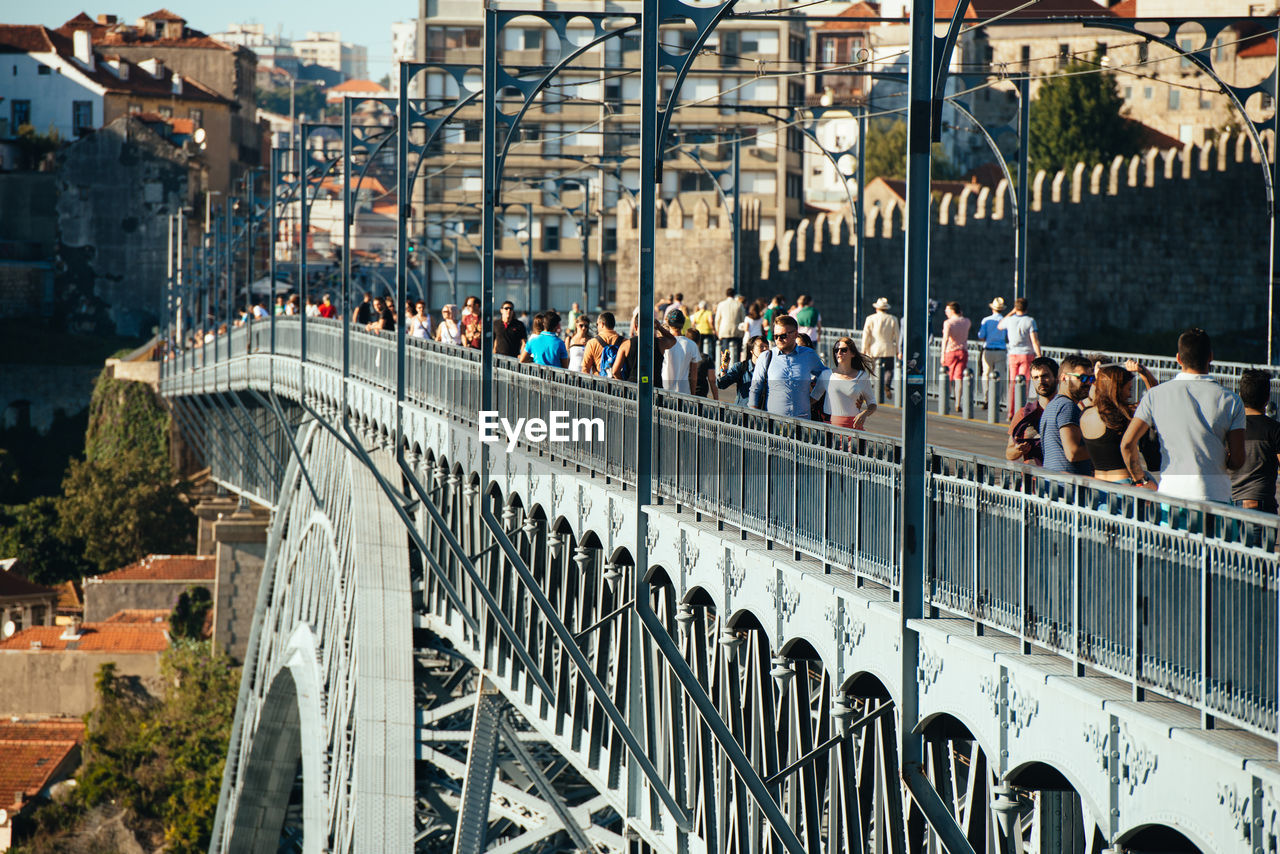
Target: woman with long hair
[[471, 331], [1104, 423], [848, 398], [739, 374], [578, 341], [753, 326]]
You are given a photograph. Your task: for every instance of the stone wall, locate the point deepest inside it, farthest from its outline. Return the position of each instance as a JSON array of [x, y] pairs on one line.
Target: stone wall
[[105, 598], [62, 683], [1151, 244], [33, 393]]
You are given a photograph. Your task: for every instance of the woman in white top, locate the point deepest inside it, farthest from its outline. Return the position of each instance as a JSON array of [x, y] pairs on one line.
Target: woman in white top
[[753, 326], [578, 342], [417, 313], [848, 396], [449, 332]]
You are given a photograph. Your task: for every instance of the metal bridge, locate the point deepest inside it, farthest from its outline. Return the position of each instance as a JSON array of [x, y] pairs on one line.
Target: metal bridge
[[706, 628], [1089, 678]]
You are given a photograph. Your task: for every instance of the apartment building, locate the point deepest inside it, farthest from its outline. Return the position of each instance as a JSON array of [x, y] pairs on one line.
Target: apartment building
[[328, 50], [588, 118]]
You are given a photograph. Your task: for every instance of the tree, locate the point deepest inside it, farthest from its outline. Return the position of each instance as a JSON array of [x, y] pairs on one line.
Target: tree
[[34, 147], [125, 416], [1075, 118], [33, 533], [187, 619], [308, 99], [124, 508], [887, 152]]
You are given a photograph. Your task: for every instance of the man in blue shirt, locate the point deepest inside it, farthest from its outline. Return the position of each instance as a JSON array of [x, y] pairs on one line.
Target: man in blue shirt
[[784, 376], [1064, 448], [546, 347], [994, 339]]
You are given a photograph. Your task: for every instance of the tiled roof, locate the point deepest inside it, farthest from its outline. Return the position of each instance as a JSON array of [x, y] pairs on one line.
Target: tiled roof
[[1125, 9], [69, 599], [94, 637], [32, 752], [12, 584], [857, 15], [357, 86], [1265, 48], [144, 616], [163, 15], [30, 38], [164, 568], [123, 34]]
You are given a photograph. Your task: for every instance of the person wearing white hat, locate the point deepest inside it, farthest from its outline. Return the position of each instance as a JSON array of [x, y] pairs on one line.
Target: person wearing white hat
[[880, 335], [993, 338]]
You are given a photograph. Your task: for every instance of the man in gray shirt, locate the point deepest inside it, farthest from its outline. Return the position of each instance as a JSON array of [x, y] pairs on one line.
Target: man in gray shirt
[[784, 376], [1200, 425]]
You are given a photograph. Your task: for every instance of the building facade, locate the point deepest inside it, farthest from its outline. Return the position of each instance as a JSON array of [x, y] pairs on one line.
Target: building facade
[[328, 50]]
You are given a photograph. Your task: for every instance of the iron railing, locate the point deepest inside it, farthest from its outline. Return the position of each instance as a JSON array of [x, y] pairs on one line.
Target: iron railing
[[1175, 596]]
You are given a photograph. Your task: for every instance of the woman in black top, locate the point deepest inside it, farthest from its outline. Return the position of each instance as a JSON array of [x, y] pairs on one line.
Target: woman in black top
[[1104, 423]]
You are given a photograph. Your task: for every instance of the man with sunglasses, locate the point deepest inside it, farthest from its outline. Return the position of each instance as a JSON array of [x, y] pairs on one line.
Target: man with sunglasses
[[1064, 448], [782, 382]]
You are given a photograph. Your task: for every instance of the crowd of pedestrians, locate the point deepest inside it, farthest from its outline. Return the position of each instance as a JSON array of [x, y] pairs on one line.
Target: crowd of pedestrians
[[1187, 437]]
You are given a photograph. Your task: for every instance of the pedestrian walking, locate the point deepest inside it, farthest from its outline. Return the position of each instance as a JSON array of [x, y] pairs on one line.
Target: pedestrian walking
[[703, 320], [739, 374], [509, 334], [728, 316], [807, 318], [846, 393], [994, 341], [1022, 345], [880, 333], [1199, 424], [363, 313], [1064, 447], [782, 382], [601, 352], [955, 348], [449, 331], [578, 341], [1103, 426], [680, 364], [627, 365], [546, 347], [1253, 485], [1025, 444]]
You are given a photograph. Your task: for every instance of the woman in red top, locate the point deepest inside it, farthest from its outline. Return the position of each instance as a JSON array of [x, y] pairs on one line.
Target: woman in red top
[[471, 333]]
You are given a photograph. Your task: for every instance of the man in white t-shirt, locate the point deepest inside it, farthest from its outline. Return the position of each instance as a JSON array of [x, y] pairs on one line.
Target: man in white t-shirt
[[680, 363], [1200, 426], [1023, 343]]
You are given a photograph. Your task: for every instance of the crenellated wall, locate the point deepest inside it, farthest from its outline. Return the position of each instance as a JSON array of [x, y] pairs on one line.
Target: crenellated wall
[[1151, 243]]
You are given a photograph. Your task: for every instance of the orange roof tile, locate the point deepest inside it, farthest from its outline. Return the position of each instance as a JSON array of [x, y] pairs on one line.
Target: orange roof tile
[[145, 616], [94, 637], [28, 765], [163, 15], [984, 9], [164, 568], [857, 15], [43, 729], [69, 598], [1125, 9], [1265, 48]]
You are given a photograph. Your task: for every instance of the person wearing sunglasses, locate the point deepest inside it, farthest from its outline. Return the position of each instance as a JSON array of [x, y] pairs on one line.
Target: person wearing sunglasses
[[782, 381], [846, 392], [1064, 447]]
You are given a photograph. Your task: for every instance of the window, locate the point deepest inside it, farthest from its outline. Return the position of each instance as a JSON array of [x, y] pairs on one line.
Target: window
[[829, 52], [1219, 52], [750, 46], [795, 186], [196, 116], [165, 112], [533, 39], [696, 181], [1128, 93], [1026, 57], [730, 48], [471, 131], [1205, 102], [1100, 48], [1064, 55], [613, 93], [134, 108], [1147, 92], [795, 139], [81, 117], [44, 70], [1185, 45], [795, 93], [551, 237], [610, 238], [1143, 50], [796, 50], [1175, 98], [20, 114]]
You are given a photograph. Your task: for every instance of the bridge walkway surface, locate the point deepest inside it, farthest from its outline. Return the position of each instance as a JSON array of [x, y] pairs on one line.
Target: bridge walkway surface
[[1090, 678]]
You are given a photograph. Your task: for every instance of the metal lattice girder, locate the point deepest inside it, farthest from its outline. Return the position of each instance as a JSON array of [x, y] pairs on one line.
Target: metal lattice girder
[[482, 764]]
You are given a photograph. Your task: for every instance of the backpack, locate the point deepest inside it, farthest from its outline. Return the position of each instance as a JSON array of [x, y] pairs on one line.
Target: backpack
[[609, 355]]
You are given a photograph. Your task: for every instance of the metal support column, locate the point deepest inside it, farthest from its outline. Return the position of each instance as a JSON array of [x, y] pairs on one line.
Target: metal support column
[[305, 216], [482, 765], [1024, 186], [737, 216], [859, 247]]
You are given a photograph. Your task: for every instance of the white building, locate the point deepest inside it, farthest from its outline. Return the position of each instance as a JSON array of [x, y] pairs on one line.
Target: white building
[[330, 51], [272, 50], [404, 48]]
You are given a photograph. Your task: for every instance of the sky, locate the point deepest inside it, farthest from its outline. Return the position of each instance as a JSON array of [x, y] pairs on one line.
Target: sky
[[367, 22]]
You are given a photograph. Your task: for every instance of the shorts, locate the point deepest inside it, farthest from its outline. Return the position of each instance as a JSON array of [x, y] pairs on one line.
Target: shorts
[[955, 361]]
